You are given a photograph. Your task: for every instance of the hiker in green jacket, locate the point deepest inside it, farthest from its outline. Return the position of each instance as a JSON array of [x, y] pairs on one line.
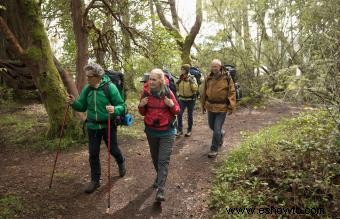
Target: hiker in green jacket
[[99, 98]]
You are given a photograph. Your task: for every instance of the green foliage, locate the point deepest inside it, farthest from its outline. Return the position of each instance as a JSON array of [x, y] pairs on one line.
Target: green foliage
[[292, 164], [163, 53], [278, 35], [57, 19], [9, 206]]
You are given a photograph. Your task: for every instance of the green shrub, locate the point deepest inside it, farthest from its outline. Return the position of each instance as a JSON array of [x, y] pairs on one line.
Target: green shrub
[[294, 164]]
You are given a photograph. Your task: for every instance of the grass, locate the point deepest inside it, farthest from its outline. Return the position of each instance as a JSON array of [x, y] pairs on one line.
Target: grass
[[25, 126], [292, 164], [137, 129], [10, 206]]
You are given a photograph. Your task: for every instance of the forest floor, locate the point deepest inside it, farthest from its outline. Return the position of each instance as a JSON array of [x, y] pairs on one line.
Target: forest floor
[[25, 173]]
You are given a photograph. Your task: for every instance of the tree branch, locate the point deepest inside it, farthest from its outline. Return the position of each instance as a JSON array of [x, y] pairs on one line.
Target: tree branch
[[189, 40], [12, 40], [174, 14], [173, 30], [121, 23]]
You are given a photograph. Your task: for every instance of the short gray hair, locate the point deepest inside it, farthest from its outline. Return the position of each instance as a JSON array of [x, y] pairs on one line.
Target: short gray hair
[[216, 61], [95, 68]]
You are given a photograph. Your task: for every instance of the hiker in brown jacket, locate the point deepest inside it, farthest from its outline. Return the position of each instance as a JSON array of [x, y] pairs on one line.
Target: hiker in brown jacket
[[219, 99]]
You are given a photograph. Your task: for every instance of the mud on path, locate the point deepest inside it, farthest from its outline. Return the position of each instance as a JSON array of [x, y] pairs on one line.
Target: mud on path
[[26, 174]]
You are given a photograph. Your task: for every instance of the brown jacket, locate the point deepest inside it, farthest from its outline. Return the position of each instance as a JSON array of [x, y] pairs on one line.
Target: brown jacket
[[218, 94]]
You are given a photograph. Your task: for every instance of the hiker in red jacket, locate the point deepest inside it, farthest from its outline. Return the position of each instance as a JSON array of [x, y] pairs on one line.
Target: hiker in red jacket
[[159, 107]]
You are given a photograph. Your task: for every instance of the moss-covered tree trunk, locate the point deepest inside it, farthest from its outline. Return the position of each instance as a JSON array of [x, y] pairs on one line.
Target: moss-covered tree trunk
[[37, 55]]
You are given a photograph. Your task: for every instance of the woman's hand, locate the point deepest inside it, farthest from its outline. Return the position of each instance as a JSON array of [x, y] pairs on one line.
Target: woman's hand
[[168, 102], [143, 102]]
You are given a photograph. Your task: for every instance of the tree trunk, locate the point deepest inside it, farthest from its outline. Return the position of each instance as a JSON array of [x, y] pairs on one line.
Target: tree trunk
[[66, 78], [38, 57], [81, 37], [126, 50]]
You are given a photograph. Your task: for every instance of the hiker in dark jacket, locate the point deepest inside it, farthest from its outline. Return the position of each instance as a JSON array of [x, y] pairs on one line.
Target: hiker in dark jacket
[[187, 88], [95, 102], [159, 107], [218, 98]]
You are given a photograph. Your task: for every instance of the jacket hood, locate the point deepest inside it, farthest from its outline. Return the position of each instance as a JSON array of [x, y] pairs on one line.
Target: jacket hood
[[104, 80]]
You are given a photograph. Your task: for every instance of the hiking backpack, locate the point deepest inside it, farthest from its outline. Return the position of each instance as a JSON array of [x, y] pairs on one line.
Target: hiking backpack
[[117, 78], [197, 73], [232, 73], [172, 84]]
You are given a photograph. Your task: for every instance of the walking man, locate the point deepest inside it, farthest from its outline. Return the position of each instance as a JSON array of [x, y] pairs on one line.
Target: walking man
[[187, 88], [98, 105], [219, 99]]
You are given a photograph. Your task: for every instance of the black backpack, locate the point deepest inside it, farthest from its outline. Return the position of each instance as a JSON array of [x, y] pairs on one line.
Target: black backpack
[[197, 73], [172, 84], [230, 69]]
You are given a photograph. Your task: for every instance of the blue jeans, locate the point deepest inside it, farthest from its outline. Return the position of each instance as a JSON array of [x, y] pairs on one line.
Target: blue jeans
[[190, 104], [95, 138], [216, 121]]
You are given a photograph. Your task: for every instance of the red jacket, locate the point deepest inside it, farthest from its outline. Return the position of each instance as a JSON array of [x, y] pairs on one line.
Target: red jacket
[[157, 115]]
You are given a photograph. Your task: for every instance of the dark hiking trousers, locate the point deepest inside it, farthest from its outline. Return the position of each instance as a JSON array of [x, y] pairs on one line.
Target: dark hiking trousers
[[190, 104], [95, 138], [160, 149], [216, 121]]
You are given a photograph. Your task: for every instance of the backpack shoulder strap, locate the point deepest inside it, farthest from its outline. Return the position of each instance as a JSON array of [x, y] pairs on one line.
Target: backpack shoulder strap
[[106, 90]]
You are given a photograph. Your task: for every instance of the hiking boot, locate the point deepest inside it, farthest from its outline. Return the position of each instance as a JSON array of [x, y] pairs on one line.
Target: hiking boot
[[212, 154], [122, 170], [222, 139], [188, 134], [92, 186], [179, 133], [160, 195]]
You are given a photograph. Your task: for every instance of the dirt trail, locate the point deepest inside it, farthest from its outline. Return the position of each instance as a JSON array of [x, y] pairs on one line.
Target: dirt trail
[[26, 174]]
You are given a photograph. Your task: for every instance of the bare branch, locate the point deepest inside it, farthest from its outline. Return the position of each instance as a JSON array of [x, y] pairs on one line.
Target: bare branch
[[174, 14], [173, 30], [189, 40], [121, 23]]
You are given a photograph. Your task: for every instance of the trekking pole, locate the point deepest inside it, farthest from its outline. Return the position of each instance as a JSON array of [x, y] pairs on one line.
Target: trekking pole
[[108, 161], [58, 148]]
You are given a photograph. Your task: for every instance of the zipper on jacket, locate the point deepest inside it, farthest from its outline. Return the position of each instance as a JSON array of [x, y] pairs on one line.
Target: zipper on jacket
[[95, 106]]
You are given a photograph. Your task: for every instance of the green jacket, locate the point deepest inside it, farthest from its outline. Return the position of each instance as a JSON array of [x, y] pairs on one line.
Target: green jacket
[[95, 103]]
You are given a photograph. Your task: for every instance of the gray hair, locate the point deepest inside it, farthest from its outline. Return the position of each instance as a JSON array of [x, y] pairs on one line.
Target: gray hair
[[216, 61], [95, 68]]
